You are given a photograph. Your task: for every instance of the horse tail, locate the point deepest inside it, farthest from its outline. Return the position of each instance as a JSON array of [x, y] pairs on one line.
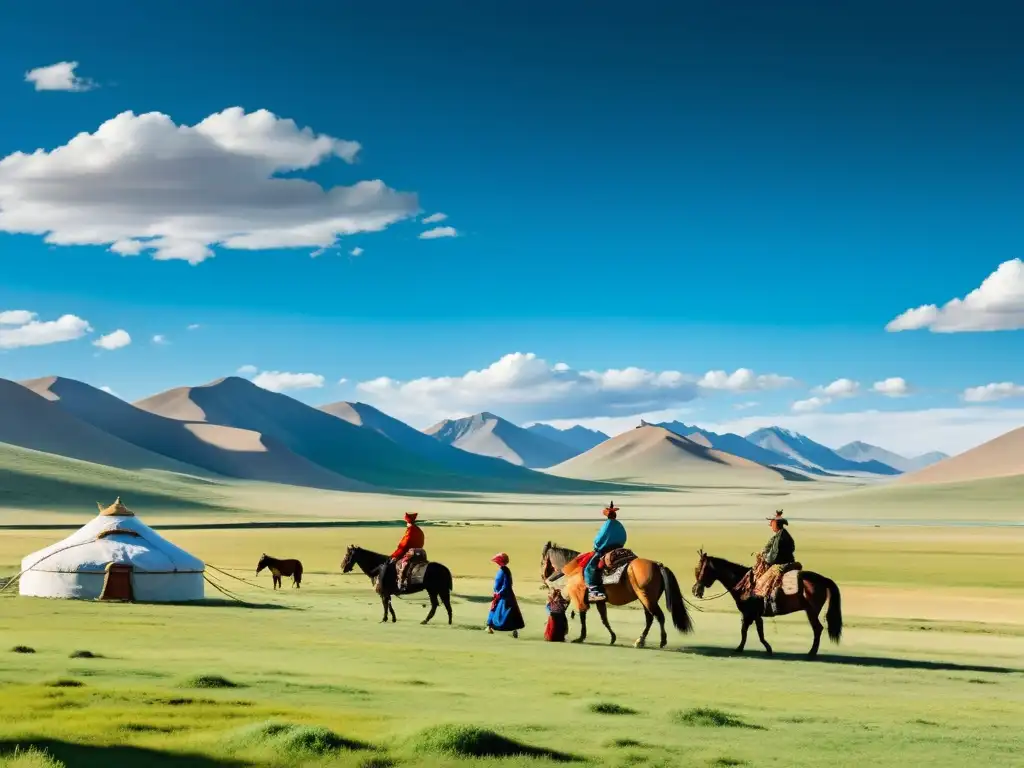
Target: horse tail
[[834, 616], [674, 600]]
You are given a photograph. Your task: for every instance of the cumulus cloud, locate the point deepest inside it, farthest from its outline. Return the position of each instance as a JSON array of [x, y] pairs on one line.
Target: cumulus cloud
[[161, 340], [58, 77], [109, 391], [996, 305], [357, 251], [522, 387], [435, 218], [743, 380], [895, 386], [141, 183], [115, 340], [840, 388], [990, 393], [436, 232], [810, 404], [342, 381], [247, 370], [279, 381], [21, 328]]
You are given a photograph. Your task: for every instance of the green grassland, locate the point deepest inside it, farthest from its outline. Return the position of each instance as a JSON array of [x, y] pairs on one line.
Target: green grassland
[[930, 669]]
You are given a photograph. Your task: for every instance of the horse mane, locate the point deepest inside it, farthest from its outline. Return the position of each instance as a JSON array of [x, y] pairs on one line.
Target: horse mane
[[729, 563]]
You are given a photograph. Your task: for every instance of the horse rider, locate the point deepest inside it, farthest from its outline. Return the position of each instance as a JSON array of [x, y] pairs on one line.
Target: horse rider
[[412, 539], [779, 552], [612, 536]]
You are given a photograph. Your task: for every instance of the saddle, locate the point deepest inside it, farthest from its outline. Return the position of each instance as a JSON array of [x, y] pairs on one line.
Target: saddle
[[410, 569], [613, 565], [785, 577]]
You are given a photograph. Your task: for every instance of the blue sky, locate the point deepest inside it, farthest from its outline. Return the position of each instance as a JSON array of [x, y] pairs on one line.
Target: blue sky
[[672, 187]]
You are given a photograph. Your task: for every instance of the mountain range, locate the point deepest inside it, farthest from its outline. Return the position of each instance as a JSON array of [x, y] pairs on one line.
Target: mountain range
[[489, 435]]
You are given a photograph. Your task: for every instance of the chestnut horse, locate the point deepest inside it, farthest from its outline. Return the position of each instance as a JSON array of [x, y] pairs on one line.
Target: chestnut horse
[[644, 580], [279, 568], [814, 591]]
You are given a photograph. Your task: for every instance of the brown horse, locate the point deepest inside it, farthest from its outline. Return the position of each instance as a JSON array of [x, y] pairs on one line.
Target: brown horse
[[814, 591], [279, 568], [644, 580]]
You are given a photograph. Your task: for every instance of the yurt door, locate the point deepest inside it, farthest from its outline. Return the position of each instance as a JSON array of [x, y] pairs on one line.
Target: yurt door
[[117, 583]]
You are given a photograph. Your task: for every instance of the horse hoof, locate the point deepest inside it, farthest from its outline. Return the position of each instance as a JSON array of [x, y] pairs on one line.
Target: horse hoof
[[639, 643], [612, 641], [663, 643], [578, 640]]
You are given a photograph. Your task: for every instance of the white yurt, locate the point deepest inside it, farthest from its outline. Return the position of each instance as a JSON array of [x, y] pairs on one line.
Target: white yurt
[[115, 556]]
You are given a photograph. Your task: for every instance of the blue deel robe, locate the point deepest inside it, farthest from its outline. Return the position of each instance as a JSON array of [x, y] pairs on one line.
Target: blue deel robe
[[611, 536], [505, 616]]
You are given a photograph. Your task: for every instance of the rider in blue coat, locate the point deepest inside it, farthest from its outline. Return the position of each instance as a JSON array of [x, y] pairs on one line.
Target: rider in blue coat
[[611, 536]]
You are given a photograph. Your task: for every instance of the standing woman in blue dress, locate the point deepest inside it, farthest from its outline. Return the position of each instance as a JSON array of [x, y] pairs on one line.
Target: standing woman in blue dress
[[505, 615]]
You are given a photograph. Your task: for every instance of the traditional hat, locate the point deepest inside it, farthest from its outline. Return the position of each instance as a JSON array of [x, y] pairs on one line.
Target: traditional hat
[[501, 559], [117, 509], [610, 510], [778, 518], [410, 517]]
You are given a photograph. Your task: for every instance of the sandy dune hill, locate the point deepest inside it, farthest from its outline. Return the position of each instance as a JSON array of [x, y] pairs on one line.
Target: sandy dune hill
[[489, 435], [223, 450], [30, 421], [323, 438], [1001, 457], [657, 455]]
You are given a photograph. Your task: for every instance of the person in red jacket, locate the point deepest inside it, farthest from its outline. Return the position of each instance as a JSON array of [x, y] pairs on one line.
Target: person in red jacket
[[413, 539]]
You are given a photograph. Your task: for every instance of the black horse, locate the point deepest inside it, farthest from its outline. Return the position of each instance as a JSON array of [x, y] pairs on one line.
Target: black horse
[[279, 568], [437, 581]]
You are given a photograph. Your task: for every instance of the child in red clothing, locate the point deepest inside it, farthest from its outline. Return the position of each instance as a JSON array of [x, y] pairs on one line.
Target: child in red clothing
[[558, 625]]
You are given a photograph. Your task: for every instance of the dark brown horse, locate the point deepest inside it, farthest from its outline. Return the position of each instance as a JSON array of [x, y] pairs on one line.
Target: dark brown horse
[[810, 598], [644, 580], [279, 568], [436, 580]]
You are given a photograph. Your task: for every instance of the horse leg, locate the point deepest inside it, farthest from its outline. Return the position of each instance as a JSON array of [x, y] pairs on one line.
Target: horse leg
[[384, 603], [391, 608], [747, 621], [433, 607], [602, 611], [446, 599], [583, 627], [760, 634], [816, 626], [649, 619]]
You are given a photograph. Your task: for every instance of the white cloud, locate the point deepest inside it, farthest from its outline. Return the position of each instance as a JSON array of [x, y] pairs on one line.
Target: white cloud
[[840, 388], [745, 406], [522, 387], [996, 305], [247, 370], [436, 232], [342, 381], [435, 218], [989, 393], [58, 77], [910, 433], [279, 381], [895, 386], [21, 328], [115, 340], [16, 317], [161, 339], [743, 380], [194, 327], [810, 404], [109, 391], [143, 183], [357, 251]]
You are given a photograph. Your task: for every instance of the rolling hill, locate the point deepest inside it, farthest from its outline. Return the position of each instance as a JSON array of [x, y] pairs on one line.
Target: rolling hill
[[999, 458], [738, 446], [654, 454], [224, 450], [812, 454], [860, 452], [578, 438], [489, 435]]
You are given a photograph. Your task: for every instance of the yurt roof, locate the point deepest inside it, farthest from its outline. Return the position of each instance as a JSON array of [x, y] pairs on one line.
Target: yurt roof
[[118, 539]]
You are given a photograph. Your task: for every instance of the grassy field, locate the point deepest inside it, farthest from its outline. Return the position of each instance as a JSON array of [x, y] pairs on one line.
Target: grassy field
[[930, 670]]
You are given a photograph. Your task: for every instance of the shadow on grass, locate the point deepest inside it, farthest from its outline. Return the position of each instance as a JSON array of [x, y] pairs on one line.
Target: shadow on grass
[[851, 661], [89, 756], [473, 598]]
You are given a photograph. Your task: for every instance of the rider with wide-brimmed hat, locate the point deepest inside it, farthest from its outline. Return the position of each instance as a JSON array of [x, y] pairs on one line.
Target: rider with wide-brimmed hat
[[611, 536], [779, 552]]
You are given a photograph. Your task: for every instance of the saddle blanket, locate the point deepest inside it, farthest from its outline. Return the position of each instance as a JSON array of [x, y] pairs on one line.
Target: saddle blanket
[[771, 580], [613, 564]]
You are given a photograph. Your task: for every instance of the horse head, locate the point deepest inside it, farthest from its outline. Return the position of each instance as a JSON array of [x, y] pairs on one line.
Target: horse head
[[704, 574], [349, 561], [261, 564], [547, 570]]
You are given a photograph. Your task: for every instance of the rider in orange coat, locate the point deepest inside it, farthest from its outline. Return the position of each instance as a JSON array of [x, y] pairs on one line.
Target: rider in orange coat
[[413, 538]]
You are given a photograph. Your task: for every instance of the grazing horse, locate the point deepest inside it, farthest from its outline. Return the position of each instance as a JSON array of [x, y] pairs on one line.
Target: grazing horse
[[644, 580], [437, 581], [279, 568], [814, 591]]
